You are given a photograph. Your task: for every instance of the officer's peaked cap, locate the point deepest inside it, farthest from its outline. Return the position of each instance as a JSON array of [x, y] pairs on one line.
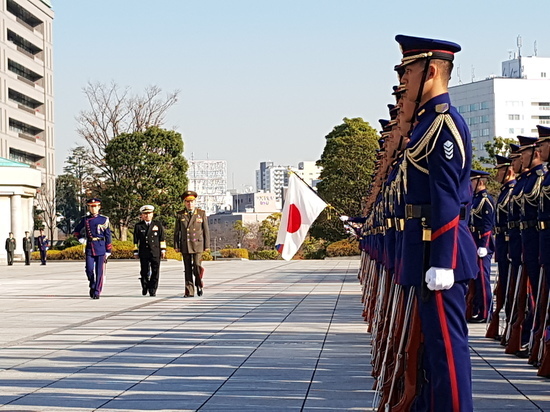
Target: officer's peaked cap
[[502, 161], [94, 201], [527, 142], [417, 48], [189, 195], [478, 174], [147, 209], [544, 132]]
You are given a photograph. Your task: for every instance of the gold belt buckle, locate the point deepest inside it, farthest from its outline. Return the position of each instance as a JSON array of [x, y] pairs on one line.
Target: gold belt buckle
[[542, 225], [409, 211], [426, 234]]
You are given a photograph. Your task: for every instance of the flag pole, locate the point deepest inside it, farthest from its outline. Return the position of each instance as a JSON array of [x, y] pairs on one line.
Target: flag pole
[[290, 171]]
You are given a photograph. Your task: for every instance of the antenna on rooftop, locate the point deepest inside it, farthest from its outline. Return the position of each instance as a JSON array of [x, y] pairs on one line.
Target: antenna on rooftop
[[473, 74], [519, 45], [458, 74], [535, 47], [510, 54]]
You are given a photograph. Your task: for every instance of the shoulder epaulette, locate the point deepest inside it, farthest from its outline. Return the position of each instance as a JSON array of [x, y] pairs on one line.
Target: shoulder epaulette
[[442, 108]]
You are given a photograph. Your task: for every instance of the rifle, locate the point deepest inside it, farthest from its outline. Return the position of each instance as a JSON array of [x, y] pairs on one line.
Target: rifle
[[544, 368], [494, 325], [382, 336], [536, 341], [470, 298], [520, 305], [510, 302], [536, 314], [412, 365]]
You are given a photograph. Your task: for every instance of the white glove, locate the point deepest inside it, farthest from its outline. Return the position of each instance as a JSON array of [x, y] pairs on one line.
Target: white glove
[[107, 255], [82, 240], [440, 278], [344, 218], [482, 251]]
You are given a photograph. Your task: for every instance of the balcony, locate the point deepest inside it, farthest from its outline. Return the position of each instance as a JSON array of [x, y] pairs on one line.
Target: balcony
[[24, 46], [25, 17]]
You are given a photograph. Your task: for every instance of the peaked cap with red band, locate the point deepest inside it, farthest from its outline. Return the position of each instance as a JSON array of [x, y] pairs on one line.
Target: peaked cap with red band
[[544, 133], [94, 201], [417, 48]]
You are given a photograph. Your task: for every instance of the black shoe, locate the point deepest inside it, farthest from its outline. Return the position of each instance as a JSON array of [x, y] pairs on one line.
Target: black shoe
[[477, 320], [188, 296], [96, 297], [523, 354], [92, 292], [199, 291], [152, 292]]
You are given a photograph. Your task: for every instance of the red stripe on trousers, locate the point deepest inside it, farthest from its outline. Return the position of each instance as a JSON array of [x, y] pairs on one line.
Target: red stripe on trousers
[[448, 349]]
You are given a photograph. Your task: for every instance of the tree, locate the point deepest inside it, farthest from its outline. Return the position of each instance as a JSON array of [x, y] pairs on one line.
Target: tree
[[348, 162], [47, 207], [241, 230], [79, 166], [269, 229], [498, 146], [68, 196], [113, 112], [147, 168]]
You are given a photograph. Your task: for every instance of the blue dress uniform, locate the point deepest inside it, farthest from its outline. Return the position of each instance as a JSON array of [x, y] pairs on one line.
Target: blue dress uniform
[[43, 246], [502, 256], [544, 212], [482, 220], [95, 229], [438, 192], [529, 233]]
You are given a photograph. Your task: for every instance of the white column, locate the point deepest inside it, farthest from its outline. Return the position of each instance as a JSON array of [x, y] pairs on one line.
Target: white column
[[17, 222], [5, 225]]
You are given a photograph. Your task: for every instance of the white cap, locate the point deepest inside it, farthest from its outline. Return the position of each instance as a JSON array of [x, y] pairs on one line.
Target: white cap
[[147, 209]]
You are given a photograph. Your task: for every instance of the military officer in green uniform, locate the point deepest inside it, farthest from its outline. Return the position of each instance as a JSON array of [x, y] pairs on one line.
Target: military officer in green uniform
[[191, 238], [10, 248]]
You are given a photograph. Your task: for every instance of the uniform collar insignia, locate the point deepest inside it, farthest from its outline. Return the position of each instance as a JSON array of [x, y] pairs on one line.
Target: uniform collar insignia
[[442, 108]]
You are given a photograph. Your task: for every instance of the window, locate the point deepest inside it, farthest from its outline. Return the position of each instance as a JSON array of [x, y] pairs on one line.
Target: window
[[544, 105], [543, 74], [475, 133], [485, 118], [484, 105], [485, 132], [511, 130], [513, 117], [474, 107], [464, 109]]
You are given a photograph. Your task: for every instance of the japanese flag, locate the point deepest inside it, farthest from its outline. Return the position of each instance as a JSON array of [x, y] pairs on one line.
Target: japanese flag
[[301, 208]]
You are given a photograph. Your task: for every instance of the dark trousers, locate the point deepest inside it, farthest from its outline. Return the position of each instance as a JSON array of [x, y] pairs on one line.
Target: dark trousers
[[446, 356], [192, 264], [483, 297], [10, 258], [27, 257], [43, 256], [149, 263], [95, 270]]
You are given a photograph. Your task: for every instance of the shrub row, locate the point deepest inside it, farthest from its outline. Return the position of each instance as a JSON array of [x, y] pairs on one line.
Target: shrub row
[[343, 248]]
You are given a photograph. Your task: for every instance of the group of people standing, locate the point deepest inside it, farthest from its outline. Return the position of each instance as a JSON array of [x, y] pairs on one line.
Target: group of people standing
[[43, 244], [429, 232], [418, 252], [191, 238]]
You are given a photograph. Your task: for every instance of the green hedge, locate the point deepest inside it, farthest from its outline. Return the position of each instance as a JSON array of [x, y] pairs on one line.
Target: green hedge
[[265, 255], [343, 248], [234, 253]]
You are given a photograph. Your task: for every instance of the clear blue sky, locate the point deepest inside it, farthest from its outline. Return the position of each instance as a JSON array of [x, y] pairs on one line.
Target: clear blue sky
[[268, 80]]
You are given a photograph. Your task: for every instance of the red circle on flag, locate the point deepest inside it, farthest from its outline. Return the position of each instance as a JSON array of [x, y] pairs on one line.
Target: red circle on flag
[[294, 219]]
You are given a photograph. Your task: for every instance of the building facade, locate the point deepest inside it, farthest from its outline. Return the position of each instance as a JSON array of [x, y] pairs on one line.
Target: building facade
[[209, 179], [508, 105], [26, 94]]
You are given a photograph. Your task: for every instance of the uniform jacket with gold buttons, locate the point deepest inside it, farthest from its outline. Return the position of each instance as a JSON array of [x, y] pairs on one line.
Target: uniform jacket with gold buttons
[[149, 239], [191, 234]]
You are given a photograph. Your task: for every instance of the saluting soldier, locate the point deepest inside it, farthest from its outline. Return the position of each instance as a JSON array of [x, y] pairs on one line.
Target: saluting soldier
[[191, 238], [43, 246], [10, 248], [94, 230], [27, 247], [149, 247], [439, 255], [482, 222]]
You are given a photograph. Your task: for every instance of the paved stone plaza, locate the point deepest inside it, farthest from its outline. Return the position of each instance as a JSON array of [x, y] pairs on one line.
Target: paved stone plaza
[[266, 335]]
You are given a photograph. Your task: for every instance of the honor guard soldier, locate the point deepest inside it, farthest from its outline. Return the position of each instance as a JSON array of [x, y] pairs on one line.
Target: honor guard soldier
[[43, 246], [531, 160], [94, 230], [27, 247], [482, 220], [149, 247], [439, 255], [507, 178], [191, 238], [10, 248]]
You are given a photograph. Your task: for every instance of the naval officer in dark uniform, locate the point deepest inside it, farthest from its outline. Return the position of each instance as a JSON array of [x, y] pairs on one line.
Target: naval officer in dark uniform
[[439, 254], [94, 230], [191, 238], [10, 248], [149, 247]]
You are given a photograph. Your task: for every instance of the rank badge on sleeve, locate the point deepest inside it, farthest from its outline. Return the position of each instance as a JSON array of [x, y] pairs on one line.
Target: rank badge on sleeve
[[449, 148]]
